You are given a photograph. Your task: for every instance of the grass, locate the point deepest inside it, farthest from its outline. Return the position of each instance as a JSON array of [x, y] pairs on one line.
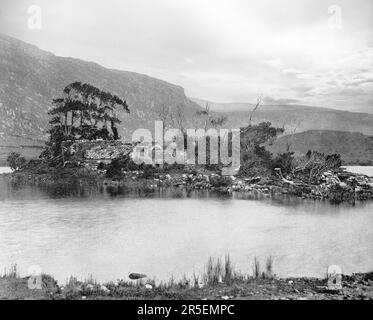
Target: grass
[[216, 272], [218, 281], [256, 268], [268, 273], [269, 267], [11, 273]]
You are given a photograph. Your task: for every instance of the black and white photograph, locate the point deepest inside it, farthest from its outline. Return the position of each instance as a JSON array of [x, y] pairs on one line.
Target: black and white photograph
[[211, 151]]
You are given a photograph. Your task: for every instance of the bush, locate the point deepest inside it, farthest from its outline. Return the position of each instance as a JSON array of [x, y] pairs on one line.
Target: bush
[[15, 161], [220, 181], [149, 172], [114, 169], [311, 166], [255, 168], [284, 161]]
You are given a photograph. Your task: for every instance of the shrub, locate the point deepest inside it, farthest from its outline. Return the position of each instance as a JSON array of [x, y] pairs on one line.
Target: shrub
[[220, 181], [311, 166], [114, 169], [284, 161], [149, 171], [15, 161], [254, 168]]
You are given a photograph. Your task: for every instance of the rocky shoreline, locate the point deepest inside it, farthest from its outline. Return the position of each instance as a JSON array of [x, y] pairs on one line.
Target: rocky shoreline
[[337, 187]]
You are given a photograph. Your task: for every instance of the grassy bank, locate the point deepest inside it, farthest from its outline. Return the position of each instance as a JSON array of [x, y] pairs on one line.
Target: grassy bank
[[219, 282]]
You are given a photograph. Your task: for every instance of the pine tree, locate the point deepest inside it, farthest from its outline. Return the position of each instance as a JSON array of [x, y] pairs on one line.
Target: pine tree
[[83, 112]]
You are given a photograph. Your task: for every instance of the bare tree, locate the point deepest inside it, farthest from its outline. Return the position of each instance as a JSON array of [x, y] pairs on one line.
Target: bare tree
[[206, 114], [292, 129], [177, 118], [258, 102], [209, 119], [218, 121], [163, 114]]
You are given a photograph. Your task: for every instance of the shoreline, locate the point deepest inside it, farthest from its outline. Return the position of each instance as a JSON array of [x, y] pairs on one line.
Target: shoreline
[[238, 287], [336, 187]]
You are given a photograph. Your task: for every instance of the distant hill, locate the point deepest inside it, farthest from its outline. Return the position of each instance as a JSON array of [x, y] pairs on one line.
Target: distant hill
[[295, 118], [355, 148]]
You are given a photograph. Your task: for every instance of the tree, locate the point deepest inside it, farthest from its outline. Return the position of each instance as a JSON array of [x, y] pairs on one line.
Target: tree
[[177, 118], [255, 159], [258, 102], [163, 113], [208, 118], [83, 112], [15, 161]]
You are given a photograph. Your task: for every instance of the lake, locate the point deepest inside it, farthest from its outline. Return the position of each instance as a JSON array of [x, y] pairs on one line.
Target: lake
[[172, 232], [367, 170]]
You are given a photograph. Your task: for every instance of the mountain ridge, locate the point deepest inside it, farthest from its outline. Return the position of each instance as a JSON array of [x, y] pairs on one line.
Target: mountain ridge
[[297, 118], [33, 77]]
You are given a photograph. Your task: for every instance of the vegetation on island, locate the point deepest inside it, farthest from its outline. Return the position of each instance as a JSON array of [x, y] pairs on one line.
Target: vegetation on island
[[83, 113], [86, 113]]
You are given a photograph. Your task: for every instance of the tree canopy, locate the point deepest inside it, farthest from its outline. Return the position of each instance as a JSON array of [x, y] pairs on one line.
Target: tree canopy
[[83, 112]]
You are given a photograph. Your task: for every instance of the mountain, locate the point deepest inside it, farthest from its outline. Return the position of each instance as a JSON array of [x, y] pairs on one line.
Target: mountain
[[31, 78], [354, 147], [295, 118]]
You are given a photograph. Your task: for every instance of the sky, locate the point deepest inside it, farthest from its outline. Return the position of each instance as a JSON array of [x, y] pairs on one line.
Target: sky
[[312, 52]]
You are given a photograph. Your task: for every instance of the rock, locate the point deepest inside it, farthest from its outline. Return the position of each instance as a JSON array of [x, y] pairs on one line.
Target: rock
[[136, 276], [148, 286], [225, 297]]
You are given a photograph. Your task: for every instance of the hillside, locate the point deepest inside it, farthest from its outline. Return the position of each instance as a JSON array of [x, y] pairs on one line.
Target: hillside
[[31, 78], [355, 148], [295, 118]]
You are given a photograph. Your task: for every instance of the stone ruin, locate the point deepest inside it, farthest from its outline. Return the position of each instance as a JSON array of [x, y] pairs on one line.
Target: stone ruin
[[91, 153]]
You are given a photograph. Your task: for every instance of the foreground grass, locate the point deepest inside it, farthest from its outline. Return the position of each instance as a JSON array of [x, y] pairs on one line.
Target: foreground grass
[[219, 282]]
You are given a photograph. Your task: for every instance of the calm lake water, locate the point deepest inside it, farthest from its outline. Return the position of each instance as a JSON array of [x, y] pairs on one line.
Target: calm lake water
[[368, 170], [173, 232]]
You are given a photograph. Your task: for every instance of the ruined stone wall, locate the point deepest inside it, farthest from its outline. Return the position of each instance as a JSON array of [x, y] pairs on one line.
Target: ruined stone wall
[[92, 153]]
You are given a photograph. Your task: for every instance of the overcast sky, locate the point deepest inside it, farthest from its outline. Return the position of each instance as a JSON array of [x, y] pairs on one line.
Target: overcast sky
[[288, 51]]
